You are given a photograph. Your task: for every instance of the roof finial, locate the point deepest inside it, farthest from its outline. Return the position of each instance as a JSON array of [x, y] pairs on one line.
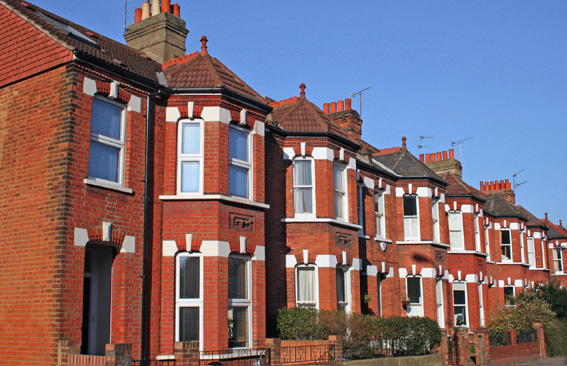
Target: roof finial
[[546, 216], [302, 93], [404, 143], [204, 41]]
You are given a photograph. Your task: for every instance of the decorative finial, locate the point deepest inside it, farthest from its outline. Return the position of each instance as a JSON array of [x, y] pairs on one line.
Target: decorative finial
[[404, 143], [546, 216], [204, 41], [302, 93]]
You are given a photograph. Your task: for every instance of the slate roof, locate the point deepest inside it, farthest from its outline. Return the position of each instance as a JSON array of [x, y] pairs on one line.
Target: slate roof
[[533, 221], [457, 187], [199, 70], [405, 164], [498, 206], [297, 114], [83, 40], [554, 231]]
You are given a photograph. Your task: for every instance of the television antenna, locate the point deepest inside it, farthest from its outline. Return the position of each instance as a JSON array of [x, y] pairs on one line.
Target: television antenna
[[514, 184], [125, 15], [359, 93], [421, 138], [460, 143]]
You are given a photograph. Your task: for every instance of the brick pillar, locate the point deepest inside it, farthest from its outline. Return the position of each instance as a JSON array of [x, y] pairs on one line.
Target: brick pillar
[[512, 337], [275, 346], [482, 345], [444, 348], [65, 348], [121, 353], [541, 339], [186, 353], [337, 341], [461, 346]]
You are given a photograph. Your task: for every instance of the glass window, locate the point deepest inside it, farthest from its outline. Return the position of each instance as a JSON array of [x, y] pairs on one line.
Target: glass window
[[531, 252], [339, 178], [509, 295], [239, 301], [240, 162], [306, 286], [188, 300], [435, 218], [456, 230], [487, 241], [106, 153], [460, 303], [343, 289], [379, 213], [414, 295], [476, 234], [303, 186], [506, 244], [411, 219], [190, 159], [557, 260], [360, 208]]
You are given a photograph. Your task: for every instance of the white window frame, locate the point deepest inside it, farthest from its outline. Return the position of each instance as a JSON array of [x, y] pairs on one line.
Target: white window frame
[[557, 260], [411, 220], [360, 208], [439, 300], [506, 303], [339, 194], [315, 302], [190, 302], [531, 251], [244, 302], [522, 247], [435, 218], [415, 308], [119, 144], [476, 226], [456, 232], [481, 314], [346, 304], [380, 213], [244, 164], [487, 241], [197, 157], [503, 245], [312, 186], [543, 253], [460, 286]]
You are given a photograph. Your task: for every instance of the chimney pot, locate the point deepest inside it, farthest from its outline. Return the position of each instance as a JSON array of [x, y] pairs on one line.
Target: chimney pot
[[176, 10], [341, 105], [421, 158], [348, 104], [546, 215], [137, 15], [439, 156], [326, 108], [302, 88], [165, 6], [444, 155], [333, 107], [204, 41], [451, 154], [427, 158], [481, 186], [155, 7], [145, 10]]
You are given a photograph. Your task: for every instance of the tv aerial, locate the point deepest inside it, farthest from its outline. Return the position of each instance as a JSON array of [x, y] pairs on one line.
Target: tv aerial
[[359, 93], [421, 138], [460, 143], [514, 184]]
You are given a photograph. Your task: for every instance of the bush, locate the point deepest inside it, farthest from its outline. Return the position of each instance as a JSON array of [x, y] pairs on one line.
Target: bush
[[364, 336]]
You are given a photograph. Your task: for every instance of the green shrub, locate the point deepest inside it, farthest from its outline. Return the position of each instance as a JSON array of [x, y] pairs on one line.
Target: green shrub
[[298, 323]]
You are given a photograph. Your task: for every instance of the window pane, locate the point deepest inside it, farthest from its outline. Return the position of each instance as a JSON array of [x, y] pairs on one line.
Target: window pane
[[340, 285], [103, 161], [106, 119], [459, 297], [237, 278], [454, 221], [191, 138], [414, 290], [190, 176], [303, 200], [460, 315], [339, 201], [237, 144], [189, 277], [305, 284], [505, 235], [188, 324], [237, 181], [456, 238], [410, 205], [338, 177], [302, 173], [237, 327]]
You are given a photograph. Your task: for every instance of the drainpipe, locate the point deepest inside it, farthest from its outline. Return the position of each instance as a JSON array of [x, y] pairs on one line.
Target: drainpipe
[[146, 255]]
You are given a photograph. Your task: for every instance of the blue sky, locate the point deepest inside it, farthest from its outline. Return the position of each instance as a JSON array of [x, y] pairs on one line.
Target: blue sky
[[492, 70]]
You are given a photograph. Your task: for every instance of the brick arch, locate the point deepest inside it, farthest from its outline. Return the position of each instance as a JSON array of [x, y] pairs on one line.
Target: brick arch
[[116, 237], [103, 88], [194, 246]]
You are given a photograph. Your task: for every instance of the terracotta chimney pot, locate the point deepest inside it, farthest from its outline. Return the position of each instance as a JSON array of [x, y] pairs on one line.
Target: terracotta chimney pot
[[176, 10], [444, 155], [348, 104], [137, 15], [326, 108], [451, 154], [427, 158], [165, 6], [439, 156], [341, 105], [481, 186], [333, 107], [421, 158]]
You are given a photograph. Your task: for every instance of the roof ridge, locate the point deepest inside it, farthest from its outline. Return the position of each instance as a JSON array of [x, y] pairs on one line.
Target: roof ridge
[[389, 150], [283, 102], [180, 59]]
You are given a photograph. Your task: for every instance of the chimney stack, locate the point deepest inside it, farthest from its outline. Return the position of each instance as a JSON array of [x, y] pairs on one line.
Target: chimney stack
[[160, 35], [342, 113], [443, 162], [502, 188]]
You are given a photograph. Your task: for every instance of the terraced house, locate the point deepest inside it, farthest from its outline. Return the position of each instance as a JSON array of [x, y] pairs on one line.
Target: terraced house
[[150, 196]]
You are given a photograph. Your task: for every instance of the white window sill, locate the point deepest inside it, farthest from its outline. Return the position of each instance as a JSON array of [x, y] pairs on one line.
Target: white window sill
[[214, 197], [165, 357], [382, 240], [319, 220], [510, 262], [108, 185], [363, 236], [463, 251], [423, 242]]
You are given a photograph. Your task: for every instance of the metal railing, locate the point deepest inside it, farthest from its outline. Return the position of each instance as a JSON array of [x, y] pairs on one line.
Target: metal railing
[[236, 357], [169, 362], [315, 353]]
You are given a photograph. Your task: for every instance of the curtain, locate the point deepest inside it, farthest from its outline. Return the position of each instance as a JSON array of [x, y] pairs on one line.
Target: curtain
[[305, 284], [303, 187], [191, 138]]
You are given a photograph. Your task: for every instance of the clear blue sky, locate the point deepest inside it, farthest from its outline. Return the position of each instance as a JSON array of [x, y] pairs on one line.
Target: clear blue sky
[[492, 70]]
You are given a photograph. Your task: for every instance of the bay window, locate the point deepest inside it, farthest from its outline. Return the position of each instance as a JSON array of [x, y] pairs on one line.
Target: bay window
[[239, 301], [189, 297], [340, 185], [107, 140], [240, 162], [456, 230], [411, 218], [303, 187], [506, 244], [190, 157]]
